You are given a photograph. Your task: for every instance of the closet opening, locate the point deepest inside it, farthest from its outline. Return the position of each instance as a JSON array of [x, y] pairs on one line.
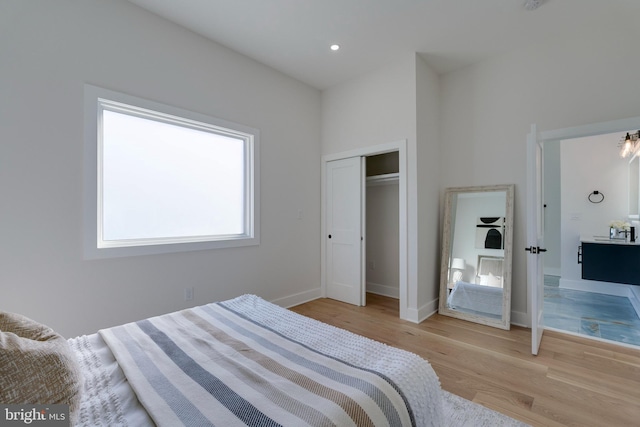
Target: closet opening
[[390, 269], [382, 272]]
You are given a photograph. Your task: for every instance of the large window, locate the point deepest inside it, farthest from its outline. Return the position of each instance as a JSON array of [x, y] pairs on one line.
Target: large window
[[161, 179]]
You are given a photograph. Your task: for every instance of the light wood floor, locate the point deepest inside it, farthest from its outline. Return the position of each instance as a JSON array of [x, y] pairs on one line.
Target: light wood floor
[[572, 382]]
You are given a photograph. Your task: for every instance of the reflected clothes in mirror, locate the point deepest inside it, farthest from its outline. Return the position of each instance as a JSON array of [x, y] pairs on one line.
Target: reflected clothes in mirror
[[476, 254]]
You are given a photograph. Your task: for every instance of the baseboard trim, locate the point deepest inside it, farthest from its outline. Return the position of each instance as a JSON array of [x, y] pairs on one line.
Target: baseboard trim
[[427, 310], [384, 290], [519, 318], [299, 298], [548, 271]]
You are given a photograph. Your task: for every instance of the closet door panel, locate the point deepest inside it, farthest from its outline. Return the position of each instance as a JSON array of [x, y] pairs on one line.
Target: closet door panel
[[345, 222]]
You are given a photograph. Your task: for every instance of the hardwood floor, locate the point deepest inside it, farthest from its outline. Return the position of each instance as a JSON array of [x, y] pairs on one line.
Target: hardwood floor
[[572, 382]]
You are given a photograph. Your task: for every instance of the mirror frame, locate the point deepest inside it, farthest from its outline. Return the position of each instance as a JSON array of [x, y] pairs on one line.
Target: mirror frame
[[505, 321]]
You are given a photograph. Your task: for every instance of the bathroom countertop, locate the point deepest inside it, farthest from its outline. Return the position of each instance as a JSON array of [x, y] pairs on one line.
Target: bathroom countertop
[[607, 240]]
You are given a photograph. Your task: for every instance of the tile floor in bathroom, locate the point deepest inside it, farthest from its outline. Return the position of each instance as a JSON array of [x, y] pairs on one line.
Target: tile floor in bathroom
[[587, 313]]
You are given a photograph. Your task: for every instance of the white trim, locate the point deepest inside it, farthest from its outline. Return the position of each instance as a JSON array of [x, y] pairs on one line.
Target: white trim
[[408, 282], [549, 271], [363, 232], [366, 151], [299, 298], [96, 100], [590, 129], [384, 290], [427, 310], [520, 318]]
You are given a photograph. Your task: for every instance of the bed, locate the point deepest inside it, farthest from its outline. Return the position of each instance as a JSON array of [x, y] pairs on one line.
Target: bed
[[485, 297], [246, 361], [476, 299]]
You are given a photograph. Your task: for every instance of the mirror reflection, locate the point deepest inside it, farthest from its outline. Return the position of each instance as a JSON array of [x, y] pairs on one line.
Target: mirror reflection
[[476, 254]]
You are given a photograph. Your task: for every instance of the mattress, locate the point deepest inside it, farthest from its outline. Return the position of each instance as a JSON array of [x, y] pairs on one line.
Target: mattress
[[476, 299], [118, 392]]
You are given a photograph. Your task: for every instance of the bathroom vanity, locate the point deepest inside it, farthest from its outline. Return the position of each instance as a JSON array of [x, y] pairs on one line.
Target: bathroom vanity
[[610, 260]]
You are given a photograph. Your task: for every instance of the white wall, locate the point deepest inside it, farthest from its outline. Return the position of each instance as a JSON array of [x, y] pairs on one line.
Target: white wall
[[374, 109], [552, 209], [397, 102], [590, 164], [382, 273], [487, 110], [49, 50]]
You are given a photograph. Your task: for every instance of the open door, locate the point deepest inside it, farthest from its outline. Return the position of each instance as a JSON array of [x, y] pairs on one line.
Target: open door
[[535, 236], [345, 204]]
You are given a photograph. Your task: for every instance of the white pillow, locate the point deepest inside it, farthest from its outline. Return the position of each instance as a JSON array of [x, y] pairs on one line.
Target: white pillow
[[490, 280]]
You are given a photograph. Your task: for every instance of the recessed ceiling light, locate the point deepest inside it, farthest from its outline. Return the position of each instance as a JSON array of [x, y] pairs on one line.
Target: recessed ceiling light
[[335, 47]]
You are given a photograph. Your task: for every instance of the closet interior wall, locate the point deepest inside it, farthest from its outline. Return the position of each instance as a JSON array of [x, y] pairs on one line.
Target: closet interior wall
[[382, 225]]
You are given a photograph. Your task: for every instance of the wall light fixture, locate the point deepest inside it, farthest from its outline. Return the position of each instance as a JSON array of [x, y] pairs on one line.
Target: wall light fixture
[[629, 144]]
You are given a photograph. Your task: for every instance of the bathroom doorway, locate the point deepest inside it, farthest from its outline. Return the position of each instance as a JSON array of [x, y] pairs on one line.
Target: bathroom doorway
[[575, 168]]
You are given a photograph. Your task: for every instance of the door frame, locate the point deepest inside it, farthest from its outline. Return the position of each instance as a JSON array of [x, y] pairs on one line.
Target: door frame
[[592, 129], [407, 251]]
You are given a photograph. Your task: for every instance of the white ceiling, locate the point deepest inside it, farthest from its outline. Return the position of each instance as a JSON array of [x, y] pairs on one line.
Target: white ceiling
[[293, 36]]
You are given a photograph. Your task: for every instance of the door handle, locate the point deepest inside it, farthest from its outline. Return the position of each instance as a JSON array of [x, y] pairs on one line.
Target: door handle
[[535, 249], [329, 235]]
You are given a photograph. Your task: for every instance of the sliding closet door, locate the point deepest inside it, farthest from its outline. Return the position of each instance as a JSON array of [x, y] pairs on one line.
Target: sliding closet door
[[345, 230]]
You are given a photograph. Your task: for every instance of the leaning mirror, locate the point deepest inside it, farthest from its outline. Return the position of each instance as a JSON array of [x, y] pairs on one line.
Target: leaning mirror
[[475, 271]]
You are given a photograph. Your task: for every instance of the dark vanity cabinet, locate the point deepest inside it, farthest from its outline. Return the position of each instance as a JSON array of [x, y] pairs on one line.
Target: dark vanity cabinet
[[611, 262]]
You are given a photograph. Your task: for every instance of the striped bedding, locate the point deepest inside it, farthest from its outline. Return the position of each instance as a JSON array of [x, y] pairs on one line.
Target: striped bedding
[[248, 362]]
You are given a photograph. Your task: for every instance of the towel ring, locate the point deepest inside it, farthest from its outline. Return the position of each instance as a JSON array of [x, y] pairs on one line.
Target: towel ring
[[596, 197]]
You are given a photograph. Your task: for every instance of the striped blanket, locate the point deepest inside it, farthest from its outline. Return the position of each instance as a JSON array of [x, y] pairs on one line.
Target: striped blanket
[[248, 362]]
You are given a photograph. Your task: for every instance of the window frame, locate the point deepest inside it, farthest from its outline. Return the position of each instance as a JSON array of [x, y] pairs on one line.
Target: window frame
[[96, 101]]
